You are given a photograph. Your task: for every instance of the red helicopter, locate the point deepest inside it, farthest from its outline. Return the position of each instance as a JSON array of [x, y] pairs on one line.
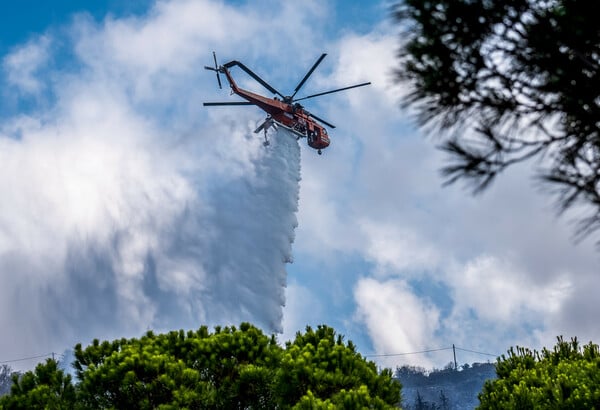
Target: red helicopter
[[283, 110]]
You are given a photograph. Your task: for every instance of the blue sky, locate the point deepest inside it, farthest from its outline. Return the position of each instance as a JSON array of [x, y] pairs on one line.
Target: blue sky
[[20, 21], [125, 195]]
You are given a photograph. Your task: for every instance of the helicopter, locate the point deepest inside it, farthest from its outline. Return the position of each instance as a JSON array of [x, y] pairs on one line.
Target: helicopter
[[282, 110]]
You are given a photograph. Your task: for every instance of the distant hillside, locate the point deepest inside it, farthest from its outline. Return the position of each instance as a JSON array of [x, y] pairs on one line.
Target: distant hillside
[[445, 389]]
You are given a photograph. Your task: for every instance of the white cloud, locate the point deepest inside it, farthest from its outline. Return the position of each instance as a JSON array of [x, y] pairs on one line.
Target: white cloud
[[500, 268], [168, 40], [398, 250], [397, 320], [500, 293], [125, 208], [85, 181], [22, 65], [368, 57], [494, 305]]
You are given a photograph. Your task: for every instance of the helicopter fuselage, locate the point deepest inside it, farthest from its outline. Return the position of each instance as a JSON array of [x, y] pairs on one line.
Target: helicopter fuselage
[[291, 116]]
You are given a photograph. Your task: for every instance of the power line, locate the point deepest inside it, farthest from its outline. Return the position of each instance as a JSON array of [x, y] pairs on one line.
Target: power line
[[429, 351], [52, 354], [27, 358], [407, 353], [481, 353]]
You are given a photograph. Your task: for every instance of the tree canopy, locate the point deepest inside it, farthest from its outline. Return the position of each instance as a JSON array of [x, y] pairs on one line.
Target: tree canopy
[[505, 81], [567, 377], [226, 369], [47, 387]]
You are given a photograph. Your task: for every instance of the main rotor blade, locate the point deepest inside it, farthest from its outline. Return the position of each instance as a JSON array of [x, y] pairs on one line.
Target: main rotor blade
[[217, 70], [215, 104], [322, 120], [301, 83], [253, 75], [332, 91]]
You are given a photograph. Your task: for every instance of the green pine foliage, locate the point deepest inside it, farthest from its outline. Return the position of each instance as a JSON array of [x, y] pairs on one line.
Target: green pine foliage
[[567, 377], [227, 369], [319, 362], [47, 387]]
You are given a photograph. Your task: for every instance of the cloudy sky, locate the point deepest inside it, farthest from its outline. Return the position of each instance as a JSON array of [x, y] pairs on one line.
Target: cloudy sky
[[126, 205]]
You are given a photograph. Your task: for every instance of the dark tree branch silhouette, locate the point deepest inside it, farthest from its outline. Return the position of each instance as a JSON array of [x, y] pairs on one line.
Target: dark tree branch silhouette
[[503, 82]]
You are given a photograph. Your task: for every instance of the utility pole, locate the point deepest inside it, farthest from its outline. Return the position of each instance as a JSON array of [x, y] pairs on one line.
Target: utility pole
[[454, 351]]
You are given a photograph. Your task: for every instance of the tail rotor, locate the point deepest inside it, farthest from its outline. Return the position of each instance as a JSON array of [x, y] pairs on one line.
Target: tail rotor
[[216, 69]]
